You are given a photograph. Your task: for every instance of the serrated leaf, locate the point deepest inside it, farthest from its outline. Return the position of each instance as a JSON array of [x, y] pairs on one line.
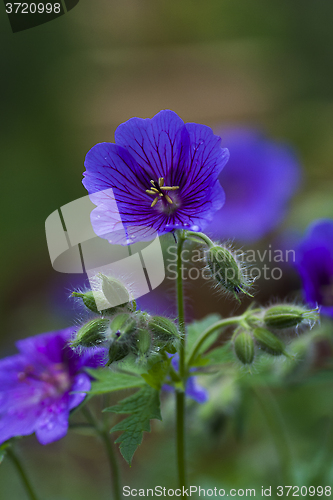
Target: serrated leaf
[[142, 406], [107, 380], [157, 373]]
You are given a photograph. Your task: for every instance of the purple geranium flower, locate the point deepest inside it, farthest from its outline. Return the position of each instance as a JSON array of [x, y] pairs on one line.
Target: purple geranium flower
[[259, 180], [314, 261], [161, 174], [37, 385], [193, 390]]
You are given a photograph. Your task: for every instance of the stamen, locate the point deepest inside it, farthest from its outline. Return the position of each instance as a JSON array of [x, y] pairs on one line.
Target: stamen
[[169, 188], [158, 189], [154, 202]]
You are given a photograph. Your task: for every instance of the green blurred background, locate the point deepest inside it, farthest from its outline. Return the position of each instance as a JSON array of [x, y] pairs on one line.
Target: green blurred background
[[65, 86]]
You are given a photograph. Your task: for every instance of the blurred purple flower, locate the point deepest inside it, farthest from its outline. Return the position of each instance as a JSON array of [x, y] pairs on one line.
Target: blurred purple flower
[[161, 174], [36, 386], [314, 261], [259, 180], [193, 389]]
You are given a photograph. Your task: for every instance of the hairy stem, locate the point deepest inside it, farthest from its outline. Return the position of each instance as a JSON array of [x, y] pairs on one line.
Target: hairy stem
[[180, 396], [103, 433], [22, 473], [202, 236]]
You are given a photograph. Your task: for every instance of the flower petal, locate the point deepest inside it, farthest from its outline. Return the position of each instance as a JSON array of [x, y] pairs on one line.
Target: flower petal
[[158, 144], [53, 421], [80, 383]]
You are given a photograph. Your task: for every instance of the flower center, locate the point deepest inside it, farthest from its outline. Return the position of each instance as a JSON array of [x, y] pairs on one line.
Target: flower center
[[55, 378], [158, 191]]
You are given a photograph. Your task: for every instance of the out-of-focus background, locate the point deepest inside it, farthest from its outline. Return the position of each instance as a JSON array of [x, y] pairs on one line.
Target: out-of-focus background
[[65, 86]]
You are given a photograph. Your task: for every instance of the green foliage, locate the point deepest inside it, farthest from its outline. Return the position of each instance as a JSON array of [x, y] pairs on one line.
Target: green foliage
[[195, 329], [3, 450], [157, 373], [109, 381], [142, 407]]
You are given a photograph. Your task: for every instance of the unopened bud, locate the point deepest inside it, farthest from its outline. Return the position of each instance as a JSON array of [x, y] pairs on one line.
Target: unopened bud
[[115, 292], [123, 329], [227, 271], [269, 342], [165, 333], [88, 299], [117, 351], [122, 324], [143, 342], [244, 348], [92, 333], [289, 316]]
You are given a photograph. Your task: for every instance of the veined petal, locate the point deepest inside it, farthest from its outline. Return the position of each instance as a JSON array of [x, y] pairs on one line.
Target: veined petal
[[159, 144], [81, 385]]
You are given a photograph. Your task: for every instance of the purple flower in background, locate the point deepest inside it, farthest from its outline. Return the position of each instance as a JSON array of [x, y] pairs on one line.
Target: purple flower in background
[[193, 390], [259, 180], [314, 261], [36, 386], [161, 174]]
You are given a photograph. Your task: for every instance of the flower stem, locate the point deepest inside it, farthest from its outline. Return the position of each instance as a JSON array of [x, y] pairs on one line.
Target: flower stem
[[180, 396], [22, 473], [209, 331], [104, 435], [202, 236]]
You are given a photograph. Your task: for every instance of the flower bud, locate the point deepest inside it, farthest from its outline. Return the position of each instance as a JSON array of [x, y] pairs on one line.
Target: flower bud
[[165, 333], [115, 292], [269, 342], [123, 329], [288, 316], [143, 342], [244, 348], [117, 351], [227, 270], [123, 324], [88, 299], [92, 333]]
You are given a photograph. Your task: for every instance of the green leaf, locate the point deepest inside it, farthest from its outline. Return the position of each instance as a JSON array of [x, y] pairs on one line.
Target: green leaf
[[157, 373], [194, 331], [107, 380], [142, 406], [221, 355]]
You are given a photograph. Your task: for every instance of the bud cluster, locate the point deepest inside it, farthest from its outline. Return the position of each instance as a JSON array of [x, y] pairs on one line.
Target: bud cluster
[[261, 330], [123, 330]]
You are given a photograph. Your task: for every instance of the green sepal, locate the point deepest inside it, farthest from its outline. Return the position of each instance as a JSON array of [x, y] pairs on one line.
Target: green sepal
[[142, 406]]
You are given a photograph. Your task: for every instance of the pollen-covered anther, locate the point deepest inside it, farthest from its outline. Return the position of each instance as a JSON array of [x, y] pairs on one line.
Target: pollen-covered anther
[[158, 191]]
